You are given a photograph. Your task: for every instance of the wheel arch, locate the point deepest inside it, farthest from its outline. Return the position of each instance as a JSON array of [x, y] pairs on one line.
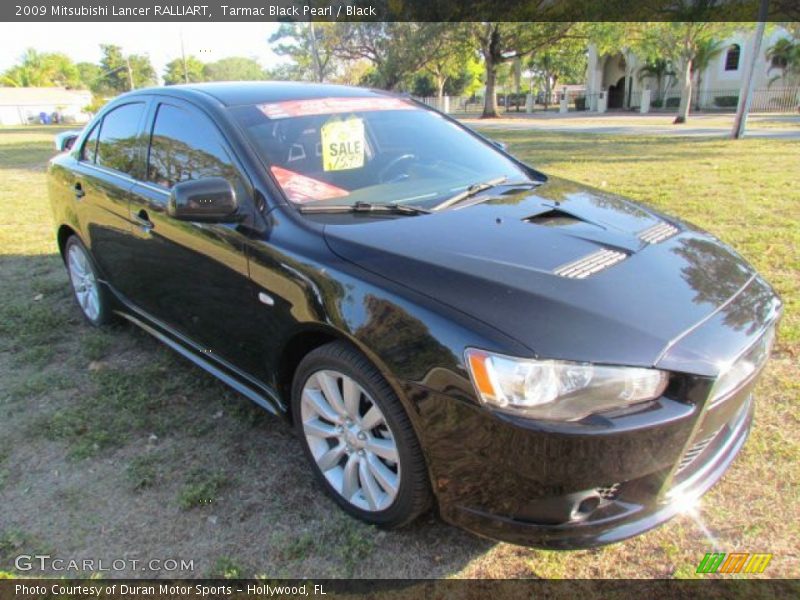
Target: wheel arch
[[63, 234], [311, 337]]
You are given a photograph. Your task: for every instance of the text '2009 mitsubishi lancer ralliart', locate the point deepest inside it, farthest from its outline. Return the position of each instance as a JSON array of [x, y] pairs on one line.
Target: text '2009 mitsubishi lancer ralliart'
[[444, 325]]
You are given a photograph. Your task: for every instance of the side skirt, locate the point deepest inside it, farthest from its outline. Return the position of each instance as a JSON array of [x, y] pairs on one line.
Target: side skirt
[[229, 374]]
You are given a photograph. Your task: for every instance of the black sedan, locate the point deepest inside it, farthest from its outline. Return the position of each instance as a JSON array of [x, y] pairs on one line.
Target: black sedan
[[442, 324]]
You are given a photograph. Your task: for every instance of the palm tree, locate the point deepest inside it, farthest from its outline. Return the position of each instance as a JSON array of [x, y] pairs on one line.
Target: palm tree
[[658, 68], [707, 51], [27, 73], [37, 69], [784, 55]]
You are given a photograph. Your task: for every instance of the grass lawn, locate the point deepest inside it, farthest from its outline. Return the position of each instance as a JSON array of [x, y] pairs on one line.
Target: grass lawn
[[111, 445], [721, 123]]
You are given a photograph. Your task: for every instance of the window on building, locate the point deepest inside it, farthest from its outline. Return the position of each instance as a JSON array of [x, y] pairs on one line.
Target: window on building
[[732, 58]]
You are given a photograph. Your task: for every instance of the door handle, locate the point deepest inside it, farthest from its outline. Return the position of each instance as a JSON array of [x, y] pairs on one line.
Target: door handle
[[79, 193], [143, 220]]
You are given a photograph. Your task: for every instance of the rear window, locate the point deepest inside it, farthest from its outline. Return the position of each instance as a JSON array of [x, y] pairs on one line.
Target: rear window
[[90, 145], [379, 150], [118, 146]]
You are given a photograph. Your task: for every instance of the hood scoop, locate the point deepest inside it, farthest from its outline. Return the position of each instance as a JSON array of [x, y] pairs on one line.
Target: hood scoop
[[658, 233], [590, 264], [554, 218]]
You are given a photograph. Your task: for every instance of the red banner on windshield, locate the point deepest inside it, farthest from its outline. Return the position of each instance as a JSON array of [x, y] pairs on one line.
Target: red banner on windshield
[[331, 106], [300, 188]]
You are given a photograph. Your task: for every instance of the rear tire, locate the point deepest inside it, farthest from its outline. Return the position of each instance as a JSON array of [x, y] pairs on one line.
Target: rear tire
[[358, 437], [90, 295]]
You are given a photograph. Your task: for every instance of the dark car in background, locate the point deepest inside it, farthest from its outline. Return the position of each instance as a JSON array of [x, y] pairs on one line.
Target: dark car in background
[[444, 325]]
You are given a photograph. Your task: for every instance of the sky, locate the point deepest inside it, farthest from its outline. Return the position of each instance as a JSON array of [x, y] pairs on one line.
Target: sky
[[161, 41]]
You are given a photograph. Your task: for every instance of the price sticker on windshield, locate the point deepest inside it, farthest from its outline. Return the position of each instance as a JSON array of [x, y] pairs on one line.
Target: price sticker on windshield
[[343, 144]]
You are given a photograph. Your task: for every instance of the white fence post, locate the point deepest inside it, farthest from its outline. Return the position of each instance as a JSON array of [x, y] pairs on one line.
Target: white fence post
[[529, 103], [563, 104], [602, 102], [645, 107]]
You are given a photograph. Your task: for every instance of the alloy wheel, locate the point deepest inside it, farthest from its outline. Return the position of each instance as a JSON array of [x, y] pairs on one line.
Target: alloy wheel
[[350, 440], [84, 282]]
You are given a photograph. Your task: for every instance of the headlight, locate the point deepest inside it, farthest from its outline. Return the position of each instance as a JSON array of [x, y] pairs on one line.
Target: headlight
[[742, 369], [559, 390]]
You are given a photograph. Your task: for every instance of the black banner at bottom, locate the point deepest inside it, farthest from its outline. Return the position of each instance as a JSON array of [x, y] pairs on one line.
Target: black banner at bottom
[[391, 589]]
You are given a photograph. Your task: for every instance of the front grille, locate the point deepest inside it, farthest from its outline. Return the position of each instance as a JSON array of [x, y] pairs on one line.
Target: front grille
[[658, 233], [608, 492], [695, 451], [592, 263]]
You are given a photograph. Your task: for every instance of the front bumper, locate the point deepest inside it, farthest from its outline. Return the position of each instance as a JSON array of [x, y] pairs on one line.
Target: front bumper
[[634, 508], [586, 483]]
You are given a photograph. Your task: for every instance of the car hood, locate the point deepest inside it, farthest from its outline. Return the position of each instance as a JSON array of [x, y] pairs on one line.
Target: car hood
[[499, 261]]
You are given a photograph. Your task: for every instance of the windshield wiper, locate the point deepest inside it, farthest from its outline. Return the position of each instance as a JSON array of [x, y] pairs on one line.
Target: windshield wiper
[[365, 207], [477, 188]]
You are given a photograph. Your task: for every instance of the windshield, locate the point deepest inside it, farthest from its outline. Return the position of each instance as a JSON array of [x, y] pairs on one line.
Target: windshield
[[381, 150]]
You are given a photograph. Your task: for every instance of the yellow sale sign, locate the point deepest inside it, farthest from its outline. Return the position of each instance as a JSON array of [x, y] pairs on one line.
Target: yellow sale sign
[[342, 144]]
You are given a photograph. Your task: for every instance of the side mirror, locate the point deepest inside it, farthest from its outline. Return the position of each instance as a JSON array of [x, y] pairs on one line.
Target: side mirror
[[65, 140], [209, 200]]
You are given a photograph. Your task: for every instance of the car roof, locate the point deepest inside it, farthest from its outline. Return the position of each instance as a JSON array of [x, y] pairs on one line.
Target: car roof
[[234, 93]]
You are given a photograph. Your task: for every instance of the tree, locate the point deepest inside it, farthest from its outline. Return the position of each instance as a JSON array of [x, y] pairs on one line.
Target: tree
[[565, 61], [464, 82], [122, 73], [353, 72], [89, 75], [42, 69], [311, 46], [470, 81], [784, 56], [659, 69], [396, 51], [680, 42], [190, 70], [450, 56], [502, 42], [285, 72], [707, 50], [234, 68]]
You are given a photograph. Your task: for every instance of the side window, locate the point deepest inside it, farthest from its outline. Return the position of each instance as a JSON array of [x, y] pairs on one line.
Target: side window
[[118, 144], [185, 145], [90, 145]]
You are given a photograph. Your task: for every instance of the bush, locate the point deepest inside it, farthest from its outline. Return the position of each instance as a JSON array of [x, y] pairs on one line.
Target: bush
[[673, 102], [726, 101]]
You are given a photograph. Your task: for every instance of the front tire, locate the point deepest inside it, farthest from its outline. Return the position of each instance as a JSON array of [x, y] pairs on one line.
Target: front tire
[[358, 438], [87, 290]]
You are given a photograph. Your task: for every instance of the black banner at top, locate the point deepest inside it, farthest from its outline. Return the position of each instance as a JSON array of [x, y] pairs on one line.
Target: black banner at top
[[397, 10]]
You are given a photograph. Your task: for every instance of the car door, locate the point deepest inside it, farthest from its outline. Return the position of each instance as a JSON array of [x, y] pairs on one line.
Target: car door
[[191, 276], [109, 161]]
